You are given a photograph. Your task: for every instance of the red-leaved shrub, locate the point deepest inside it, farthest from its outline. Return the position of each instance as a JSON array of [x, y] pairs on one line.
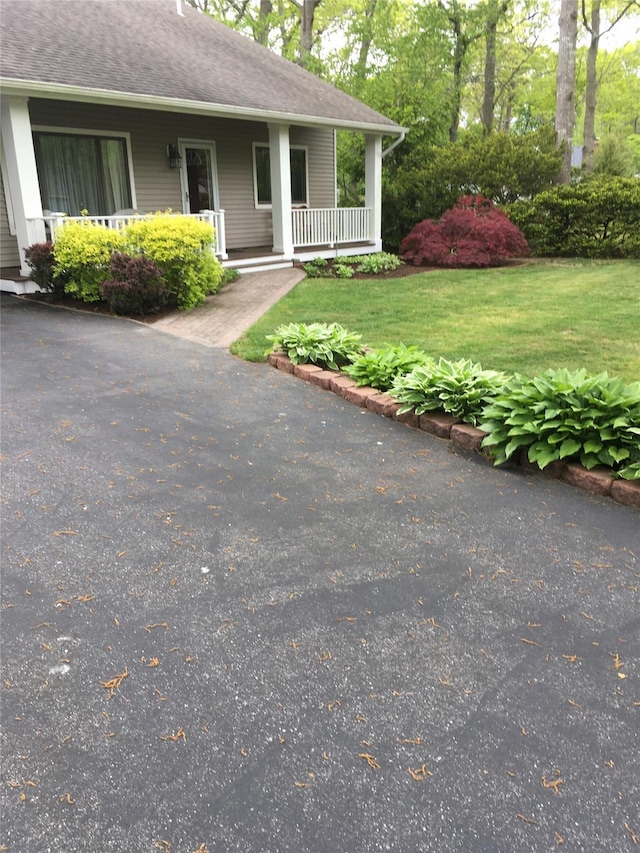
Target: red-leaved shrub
[[473, 233], [136, 286]]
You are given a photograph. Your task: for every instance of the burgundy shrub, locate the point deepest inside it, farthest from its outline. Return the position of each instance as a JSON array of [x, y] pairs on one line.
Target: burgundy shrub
[[136, 286], [473, 233]]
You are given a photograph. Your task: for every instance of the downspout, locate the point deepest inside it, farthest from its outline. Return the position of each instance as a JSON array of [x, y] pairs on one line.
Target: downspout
[[394, 144]]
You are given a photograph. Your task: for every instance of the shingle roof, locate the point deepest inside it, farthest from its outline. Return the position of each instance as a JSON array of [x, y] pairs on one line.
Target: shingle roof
[[144, 48]]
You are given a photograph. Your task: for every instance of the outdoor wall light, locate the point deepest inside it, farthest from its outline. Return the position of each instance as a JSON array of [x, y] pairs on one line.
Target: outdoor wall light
[[174, 156]]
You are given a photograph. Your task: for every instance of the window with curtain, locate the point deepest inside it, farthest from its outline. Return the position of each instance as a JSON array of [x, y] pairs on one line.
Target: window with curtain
[[262, 174], [79, 173]]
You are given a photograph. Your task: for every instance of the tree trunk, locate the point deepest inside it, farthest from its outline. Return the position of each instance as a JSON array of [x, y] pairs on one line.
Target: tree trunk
[[591, 94], [566, 84], [307, 14], [494, 13], [489, 95], [365, 44], [455, 15], [262, 34]]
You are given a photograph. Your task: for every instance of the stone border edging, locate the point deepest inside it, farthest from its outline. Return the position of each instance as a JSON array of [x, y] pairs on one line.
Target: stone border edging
[[597, 481]]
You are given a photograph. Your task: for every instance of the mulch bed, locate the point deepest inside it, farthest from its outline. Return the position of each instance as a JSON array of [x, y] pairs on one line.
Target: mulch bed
[[102, 307], [99, 307]]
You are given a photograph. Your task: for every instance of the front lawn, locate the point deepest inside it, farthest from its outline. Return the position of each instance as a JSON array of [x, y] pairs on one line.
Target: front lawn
[[523, 318]]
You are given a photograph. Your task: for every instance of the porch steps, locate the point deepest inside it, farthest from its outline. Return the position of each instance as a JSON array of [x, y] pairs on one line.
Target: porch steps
[[17, 284], [258, 264]]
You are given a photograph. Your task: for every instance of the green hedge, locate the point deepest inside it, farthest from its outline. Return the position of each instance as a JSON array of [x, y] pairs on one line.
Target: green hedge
[[599, 217]]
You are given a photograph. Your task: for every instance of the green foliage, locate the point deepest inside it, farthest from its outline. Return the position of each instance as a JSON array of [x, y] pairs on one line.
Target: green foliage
[[135, 287], [82, 254], [343, 271], [328, 345], [460, 388], [317, 268], [42, 261], [377, 263], [615, 156], [599, 217], [229, 275], [379, 368], [315, 271], [571, 416], [345, 266], [183, 249], [503, 167]]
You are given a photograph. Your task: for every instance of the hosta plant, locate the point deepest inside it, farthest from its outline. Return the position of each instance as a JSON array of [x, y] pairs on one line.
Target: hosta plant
[[460, 388], [594, 420], [343, 271], [379, 367], [327, 345]]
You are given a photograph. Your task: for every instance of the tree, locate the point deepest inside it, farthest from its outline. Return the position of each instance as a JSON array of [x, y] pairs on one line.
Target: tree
[[566, 84], [495, 11], [307, 9], [592, 25], [464, 30]]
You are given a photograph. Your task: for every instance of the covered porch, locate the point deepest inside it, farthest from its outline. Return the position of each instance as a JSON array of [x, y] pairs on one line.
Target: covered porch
[[295, 222]]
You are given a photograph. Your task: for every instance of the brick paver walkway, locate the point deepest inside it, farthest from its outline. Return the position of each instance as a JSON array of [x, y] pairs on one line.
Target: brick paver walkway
[[226, 315]]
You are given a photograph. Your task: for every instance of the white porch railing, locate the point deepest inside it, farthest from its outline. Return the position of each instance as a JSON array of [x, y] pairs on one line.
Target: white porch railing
[[326, 226], [45, 227]]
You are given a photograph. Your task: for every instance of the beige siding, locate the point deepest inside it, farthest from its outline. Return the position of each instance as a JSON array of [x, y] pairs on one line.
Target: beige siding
[[320, 163], [157, 187], [8, 243]]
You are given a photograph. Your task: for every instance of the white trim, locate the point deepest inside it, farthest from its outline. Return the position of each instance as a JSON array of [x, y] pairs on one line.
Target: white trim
[[210, 145], [112, 134], [280, 163], [22, 173], [302, 255], [373, 183], [336, 197], [262, 206], [58, 91], [11, 219]]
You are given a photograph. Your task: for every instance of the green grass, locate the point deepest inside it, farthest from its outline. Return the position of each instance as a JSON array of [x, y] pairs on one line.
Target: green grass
[[525, 318]]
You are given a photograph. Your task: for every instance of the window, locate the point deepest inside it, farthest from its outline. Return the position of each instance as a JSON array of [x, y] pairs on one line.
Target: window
[[262, 175], [79, 172]]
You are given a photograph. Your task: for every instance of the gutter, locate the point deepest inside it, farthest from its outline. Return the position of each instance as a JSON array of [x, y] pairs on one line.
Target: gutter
[[38, 89], [394, 144]]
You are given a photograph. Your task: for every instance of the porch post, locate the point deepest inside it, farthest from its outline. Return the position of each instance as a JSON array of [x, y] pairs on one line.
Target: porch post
[[373, 187], [22, 175], [280, 160]]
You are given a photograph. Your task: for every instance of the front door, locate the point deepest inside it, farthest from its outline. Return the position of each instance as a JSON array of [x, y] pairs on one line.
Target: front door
[[198, 176]]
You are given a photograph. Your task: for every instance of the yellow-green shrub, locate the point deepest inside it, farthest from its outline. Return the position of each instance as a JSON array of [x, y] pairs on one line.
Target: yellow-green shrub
[[183, 249], [82, 254]]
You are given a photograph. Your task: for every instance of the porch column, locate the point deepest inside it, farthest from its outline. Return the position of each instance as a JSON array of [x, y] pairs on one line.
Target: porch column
[[280, 160], [373, 187], [22, 175]]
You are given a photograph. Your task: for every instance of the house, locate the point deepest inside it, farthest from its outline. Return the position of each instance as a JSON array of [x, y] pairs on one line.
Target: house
[[118, 107]]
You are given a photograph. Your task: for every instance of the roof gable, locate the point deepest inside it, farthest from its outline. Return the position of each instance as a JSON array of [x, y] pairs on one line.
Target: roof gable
[[145, 48]]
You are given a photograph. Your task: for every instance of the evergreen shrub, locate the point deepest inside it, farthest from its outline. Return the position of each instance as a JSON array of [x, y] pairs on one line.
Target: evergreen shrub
[[599, 217]]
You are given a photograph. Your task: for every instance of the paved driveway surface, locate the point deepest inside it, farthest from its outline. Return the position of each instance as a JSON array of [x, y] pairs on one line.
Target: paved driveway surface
[[240, 614]]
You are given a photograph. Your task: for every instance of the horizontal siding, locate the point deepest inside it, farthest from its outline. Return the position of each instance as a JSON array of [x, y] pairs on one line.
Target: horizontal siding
[[320, 164], [8, 243], [157, 187]]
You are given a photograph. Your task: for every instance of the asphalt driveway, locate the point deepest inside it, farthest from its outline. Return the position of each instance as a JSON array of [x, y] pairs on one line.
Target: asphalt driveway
[[241, 614]]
